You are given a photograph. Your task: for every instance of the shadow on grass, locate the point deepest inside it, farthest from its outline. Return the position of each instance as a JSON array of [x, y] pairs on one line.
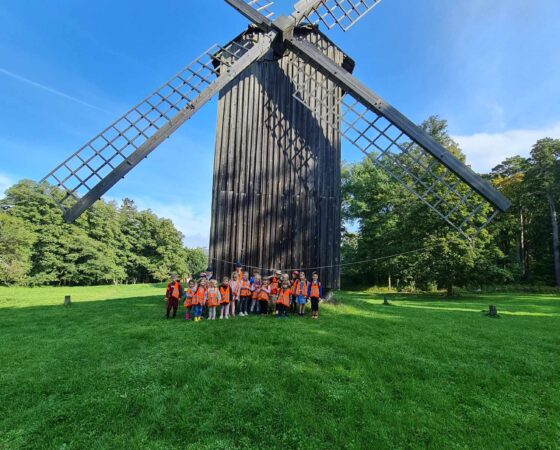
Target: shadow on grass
[[508, 304], [115, 371]]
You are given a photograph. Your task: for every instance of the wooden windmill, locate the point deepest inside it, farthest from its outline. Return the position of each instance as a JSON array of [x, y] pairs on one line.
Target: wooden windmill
[[287, 97]]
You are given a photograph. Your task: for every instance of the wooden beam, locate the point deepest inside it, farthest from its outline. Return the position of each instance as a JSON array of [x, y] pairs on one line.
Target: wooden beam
[[370, 99]]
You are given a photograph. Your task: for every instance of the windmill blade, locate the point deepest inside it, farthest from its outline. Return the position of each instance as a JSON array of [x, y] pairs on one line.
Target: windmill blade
[[257, 11], [332, 13], [108, 157], [405, 151]]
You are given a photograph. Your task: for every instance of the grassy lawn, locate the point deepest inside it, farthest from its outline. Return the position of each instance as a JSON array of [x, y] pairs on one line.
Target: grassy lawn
[[110, 372]]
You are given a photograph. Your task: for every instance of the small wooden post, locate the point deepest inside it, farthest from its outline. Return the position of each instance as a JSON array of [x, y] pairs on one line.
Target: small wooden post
[[67, 301], [493, 312], [386, 301]]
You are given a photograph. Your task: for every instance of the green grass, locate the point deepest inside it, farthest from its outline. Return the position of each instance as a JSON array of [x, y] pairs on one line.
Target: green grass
[[110, 372]]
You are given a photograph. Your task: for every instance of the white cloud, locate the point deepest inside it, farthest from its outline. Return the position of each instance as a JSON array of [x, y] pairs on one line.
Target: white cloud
[[486, 150], [5, 183]]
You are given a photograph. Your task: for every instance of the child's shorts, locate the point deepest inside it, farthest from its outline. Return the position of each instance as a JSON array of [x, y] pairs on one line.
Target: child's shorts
[[301, 300]]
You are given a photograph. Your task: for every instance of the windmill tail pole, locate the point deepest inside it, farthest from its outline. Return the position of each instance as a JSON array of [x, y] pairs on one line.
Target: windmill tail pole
[[555, 238]]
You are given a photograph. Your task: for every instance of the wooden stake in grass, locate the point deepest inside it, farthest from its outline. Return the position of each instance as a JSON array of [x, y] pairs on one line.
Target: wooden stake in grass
[[493, 312], [386, 301], [67, 301]]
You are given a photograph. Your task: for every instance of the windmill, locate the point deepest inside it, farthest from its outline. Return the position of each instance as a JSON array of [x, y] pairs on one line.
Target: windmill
[[287, 99]]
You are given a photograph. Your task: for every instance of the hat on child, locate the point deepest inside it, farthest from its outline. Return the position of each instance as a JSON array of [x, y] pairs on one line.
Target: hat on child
[[238, 264], [203, 275], [278, 272], [295, 272]]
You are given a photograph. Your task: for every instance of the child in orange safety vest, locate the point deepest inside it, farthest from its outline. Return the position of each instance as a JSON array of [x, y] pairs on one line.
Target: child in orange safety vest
[[213, 298], [283, 302], [199, 299], [244, 294], [275, 282], [189, 294], [295, 279], [263, 297], [172, 295], [256, 284], [225, 294], [301, 293], [235, 285], [315, 294]]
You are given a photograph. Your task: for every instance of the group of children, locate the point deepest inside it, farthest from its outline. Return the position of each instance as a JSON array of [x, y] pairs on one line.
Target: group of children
[[240, 295]]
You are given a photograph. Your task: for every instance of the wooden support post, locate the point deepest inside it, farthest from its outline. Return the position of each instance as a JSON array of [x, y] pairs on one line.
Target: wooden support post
[[67, 301], [493, 312]]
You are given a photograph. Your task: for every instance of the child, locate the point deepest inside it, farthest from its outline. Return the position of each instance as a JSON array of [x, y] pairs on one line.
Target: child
[[302, 292], [315, 293], [244, 294], [295, 279], [199, 299], [274, 287], [263, 296], [283, 302], [256, 285], [239, 269], [172, 295], [189, 294], [235, 285], [213, 299], [225, 294], [256, 274]]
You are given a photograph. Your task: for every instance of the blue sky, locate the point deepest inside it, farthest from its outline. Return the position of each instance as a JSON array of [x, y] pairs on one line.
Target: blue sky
[[491, 68]]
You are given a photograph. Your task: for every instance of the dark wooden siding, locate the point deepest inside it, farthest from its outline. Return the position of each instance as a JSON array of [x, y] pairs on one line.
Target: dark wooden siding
[[276, 192]]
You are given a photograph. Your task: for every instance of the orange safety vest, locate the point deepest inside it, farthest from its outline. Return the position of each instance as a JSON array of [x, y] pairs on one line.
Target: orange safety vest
[[255, 293], [175, 291], [234, 285], [198, 297], [189, 298], [302, 288], [316, 289], [284, 297], [212, 297], [294, 287], [225, 293], [274, 286], [245, 290], [263, 295]]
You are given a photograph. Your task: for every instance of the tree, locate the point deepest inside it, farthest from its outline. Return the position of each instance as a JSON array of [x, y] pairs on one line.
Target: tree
[[543, 180], [392, 221], [509, 229], [16, 242], [107, 244], [196, 260]]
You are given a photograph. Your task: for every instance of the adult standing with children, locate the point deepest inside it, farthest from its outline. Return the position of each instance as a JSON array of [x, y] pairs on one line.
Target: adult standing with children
[[172, 295]]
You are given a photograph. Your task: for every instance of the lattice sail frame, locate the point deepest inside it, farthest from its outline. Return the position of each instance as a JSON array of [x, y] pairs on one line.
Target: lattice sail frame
[[395, 152], [341, 13], [101, 155], [262, 6]]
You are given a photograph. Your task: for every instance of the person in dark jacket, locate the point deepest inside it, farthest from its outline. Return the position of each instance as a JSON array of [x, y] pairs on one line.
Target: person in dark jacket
[[172, 295]]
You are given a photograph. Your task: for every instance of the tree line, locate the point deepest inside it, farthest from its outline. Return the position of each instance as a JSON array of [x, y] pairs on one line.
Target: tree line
[[520, 246], [109, 243]]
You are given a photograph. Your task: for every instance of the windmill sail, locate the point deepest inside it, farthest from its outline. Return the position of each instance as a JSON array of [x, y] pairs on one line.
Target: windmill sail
[[332, 13], [447, 186], [262, 6], [257, 11], [108, 157]]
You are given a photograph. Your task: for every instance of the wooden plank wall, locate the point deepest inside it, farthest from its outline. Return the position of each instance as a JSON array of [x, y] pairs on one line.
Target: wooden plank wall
[[276, 192]]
